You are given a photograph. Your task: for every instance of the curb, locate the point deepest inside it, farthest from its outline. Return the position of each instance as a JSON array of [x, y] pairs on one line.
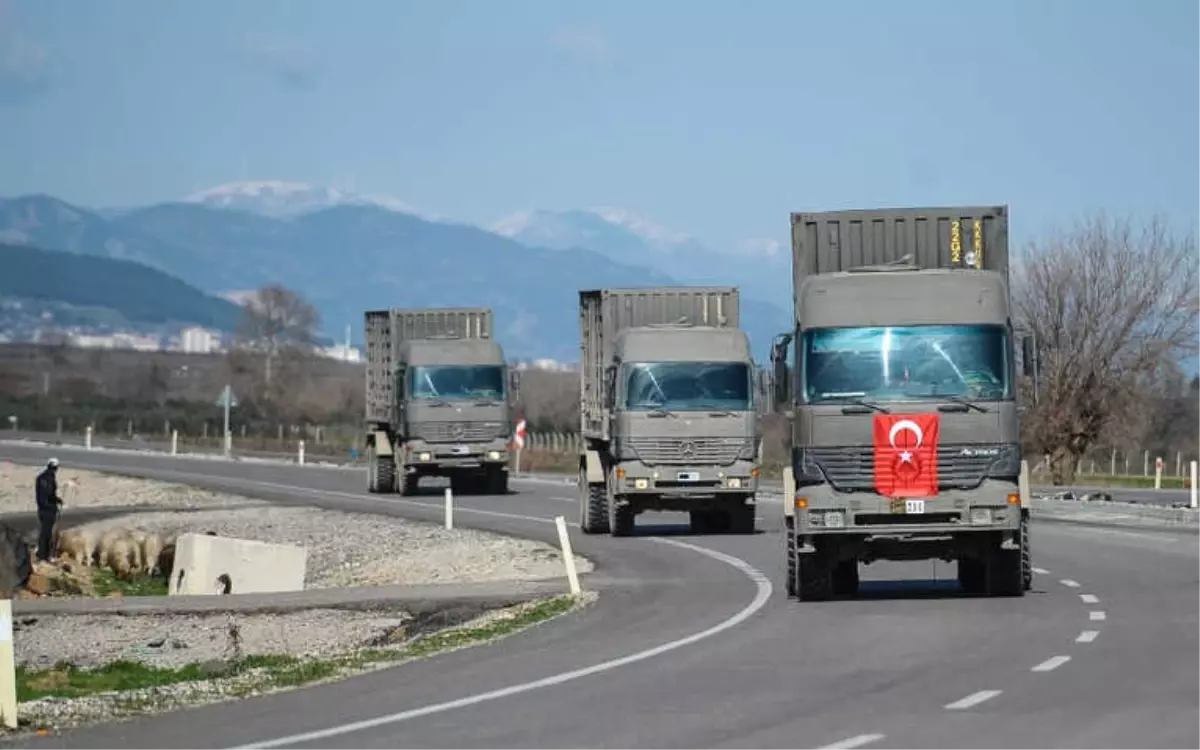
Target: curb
[[417, 600]]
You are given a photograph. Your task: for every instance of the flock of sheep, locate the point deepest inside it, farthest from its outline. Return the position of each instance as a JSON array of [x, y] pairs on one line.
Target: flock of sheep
[[124, 551]]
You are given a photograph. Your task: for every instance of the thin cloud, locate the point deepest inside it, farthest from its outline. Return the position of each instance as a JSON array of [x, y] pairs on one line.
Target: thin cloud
[[290, 62], [583, 44], [24, 64]]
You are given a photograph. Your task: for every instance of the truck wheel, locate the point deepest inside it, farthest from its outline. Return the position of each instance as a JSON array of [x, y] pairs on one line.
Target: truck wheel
[[497, 482], [1003, 570], [790, 575], [702, 521], [741, 519], [814, 579], [621, 519], [385, 474], [971, 575], [1026, 555], [372, 473], [845, 577], [593, 506], [407, 483]]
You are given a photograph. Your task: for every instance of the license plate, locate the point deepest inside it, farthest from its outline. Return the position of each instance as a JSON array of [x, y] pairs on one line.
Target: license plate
[[688, 476], [914, 506], [459, 450]]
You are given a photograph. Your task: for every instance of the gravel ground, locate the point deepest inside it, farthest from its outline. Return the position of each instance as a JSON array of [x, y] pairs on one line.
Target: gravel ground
[[209, 638], [360, 549], [88, 489], [178, 640]]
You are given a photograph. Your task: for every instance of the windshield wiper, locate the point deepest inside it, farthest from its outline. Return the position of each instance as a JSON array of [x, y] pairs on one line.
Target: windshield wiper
[[966, 402], [722, 413], [852, 401], [658, 411]]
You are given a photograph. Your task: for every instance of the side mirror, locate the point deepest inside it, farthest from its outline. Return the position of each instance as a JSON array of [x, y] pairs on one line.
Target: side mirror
[[514, 382], [779, 370], [610, 384], [1027, 356], [401, 382]]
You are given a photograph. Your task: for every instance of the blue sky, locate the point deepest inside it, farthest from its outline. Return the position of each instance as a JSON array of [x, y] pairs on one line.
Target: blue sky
[[717, 119]]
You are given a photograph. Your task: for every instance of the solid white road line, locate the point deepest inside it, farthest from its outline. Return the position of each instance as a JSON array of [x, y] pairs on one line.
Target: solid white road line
[[857, 740], [974, 699], [762, 596], [1051, 664], [1089, 598], [1070, 583], [1041, 571], [1097, 615], [1087, 636]]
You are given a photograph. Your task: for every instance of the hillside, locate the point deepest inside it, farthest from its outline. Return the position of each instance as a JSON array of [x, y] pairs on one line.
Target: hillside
[[108, 288], [350, 258]]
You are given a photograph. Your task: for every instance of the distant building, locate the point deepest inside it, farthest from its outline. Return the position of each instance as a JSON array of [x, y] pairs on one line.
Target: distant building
[[117, 341], [197, 340], [342, 352]]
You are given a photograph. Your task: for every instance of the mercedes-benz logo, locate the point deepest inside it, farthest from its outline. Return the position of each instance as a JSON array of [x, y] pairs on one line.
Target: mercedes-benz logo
[[457, 431], [687, 448]]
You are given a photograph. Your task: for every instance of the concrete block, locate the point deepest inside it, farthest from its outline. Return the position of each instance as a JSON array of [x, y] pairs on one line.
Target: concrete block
[[206, 564]]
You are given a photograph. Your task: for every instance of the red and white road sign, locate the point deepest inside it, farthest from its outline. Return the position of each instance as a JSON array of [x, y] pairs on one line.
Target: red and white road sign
[[519, 434], [1158, 463]]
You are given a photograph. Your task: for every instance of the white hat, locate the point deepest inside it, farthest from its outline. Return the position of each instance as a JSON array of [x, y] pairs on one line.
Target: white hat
[[52, 462]]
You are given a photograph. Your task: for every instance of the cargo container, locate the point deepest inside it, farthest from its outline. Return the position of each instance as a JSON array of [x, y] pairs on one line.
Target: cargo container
[[438, 400], [905, 441], [667, 409]]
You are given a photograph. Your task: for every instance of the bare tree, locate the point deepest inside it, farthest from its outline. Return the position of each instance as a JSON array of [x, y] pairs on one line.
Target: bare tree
[[277, 320], [1109, 306]]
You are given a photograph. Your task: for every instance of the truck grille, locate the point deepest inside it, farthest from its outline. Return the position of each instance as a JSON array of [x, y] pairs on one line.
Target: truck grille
[[853, 468], [719, 451], [457, 432]]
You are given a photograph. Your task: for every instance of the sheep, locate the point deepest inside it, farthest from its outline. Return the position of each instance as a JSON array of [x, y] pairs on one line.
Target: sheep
[[119, 557], [77, 545], [130, 552], [152, 546]]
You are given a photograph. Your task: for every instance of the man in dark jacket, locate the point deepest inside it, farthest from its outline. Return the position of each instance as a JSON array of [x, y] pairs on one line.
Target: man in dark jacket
[[48, 503]]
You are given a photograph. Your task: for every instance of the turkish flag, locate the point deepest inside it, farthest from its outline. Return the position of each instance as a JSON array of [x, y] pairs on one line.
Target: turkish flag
[[906, 448]]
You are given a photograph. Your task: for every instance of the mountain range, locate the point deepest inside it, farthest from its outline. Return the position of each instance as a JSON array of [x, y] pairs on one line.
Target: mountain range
[[347, 253]]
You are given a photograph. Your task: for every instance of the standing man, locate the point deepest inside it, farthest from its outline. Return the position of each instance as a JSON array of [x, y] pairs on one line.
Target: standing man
[[48, 503]]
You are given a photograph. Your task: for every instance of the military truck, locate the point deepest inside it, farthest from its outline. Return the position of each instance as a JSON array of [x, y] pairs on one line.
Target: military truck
[[905, 443], [438, 401], [667, 409]]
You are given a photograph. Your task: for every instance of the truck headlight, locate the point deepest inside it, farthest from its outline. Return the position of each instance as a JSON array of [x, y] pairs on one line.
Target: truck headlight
[[424, 456], [981, 516], [494, 455], [640, 484], [733, 483]]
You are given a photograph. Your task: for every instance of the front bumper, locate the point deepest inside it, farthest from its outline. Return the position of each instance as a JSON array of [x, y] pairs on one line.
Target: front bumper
[[993, 506], [637, 478], [421, 455]]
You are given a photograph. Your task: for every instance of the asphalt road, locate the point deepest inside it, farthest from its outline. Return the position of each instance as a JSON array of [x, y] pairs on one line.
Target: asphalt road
[[693, 644]]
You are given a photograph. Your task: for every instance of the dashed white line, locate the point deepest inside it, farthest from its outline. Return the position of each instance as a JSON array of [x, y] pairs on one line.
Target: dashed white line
[[974, 699], [1068, 582], [1097, 615], [1087, 636], [1089, 598], [1041, 571], [1051, 664], [857, 740]]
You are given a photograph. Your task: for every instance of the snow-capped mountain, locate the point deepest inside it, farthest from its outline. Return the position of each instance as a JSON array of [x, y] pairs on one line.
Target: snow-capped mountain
[[760, 266], [279, 199]]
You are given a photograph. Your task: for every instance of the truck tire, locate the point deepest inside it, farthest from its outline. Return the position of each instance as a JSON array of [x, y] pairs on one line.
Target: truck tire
[[497, 482], [971, 575], [372, 472], [790, 575], [406, 482], [621, 519], [703, 521], [814, 577], [1003, 570], [593, 506], [741, 519], [1026, 555], [845, 577], [385, 474]]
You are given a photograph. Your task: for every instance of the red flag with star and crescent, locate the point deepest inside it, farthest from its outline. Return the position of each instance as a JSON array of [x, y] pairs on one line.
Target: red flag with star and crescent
[[906, 447]]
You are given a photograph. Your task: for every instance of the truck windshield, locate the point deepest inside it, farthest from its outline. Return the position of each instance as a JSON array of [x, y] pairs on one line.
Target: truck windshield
[[456, 382], [906, 363], [687, 386]]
